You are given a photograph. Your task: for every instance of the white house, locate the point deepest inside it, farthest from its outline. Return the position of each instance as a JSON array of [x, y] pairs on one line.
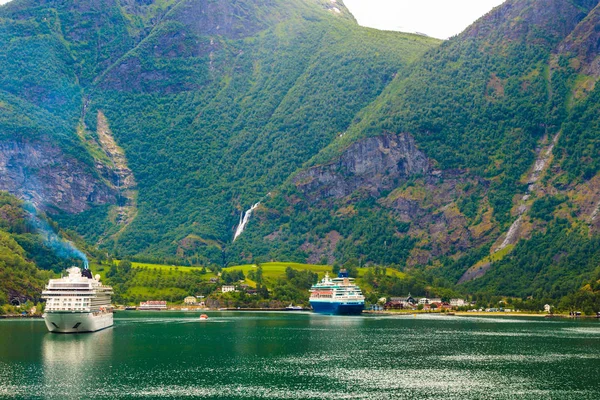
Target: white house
[[190, 301], [153, 305], [228, 288], [457, 302], [548, 308], [424, 300]]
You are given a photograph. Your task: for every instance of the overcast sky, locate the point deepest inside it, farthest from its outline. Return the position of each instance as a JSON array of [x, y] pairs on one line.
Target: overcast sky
[[437, 18]]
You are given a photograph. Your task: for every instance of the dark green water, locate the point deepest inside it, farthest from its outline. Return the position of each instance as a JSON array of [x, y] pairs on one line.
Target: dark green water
[[303, 356]]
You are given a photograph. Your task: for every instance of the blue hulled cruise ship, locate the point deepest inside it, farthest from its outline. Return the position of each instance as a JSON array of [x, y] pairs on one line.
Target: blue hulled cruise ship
[[337, 296]]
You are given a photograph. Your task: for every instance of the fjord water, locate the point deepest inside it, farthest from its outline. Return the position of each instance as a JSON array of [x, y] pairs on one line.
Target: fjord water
[[303, 356]]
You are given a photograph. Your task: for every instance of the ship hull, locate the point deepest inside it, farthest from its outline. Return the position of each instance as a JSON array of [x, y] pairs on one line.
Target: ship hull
[[337, 308], [77, 322]]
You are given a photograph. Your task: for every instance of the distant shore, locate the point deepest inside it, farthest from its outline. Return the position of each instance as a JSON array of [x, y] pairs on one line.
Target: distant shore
[[18, 316], [459, 313], [518, 314], [369, 312], [499, 314], [483, 314]]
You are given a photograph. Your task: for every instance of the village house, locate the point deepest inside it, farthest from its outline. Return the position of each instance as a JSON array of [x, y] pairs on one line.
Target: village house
[[227, 288], [457, 302], [425, 300], [445, 305], [190, 301], [155, 305], [401, 303]]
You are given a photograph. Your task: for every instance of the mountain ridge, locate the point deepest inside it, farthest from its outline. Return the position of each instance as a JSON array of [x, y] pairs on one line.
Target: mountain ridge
[[365, 147], [210, 68], [489, 205]]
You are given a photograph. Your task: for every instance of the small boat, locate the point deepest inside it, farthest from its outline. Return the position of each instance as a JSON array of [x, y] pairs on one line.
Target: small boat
[[292, 307], [203, 316]]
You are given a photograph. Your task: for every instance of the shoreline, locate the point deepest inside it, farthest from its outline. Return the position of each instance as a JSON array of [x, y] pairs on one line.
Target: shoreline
[[365, 312], [9, 316], [499, 314], [483, 314]]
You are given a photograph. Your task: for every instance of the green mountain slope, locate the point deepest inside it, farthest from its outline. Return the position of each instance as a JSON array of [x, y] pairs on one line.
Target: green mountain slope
[[20, 279], [150, 126], [212, 104], [504, 115]]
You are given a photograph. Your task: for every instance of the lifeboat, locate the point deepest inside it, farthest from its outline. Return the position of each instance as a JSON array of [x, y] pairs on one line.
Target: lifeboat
[[203, 317]]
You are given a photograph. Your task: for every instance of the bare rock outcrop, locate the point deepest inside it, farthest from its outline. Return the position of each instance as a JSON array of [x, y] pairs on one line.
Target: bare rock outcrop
[[373, 164], [519, 20], [41, 173]]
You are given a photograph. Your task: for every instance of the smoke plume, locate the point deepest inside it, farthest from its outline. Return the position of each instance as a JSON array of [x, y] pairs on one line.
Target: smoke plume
[[62, 248]]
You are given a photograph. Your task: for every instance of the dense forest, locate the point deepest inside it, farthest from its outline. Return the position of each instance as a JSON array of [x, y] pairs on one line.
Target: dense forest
[[506, 116], [20, 278]]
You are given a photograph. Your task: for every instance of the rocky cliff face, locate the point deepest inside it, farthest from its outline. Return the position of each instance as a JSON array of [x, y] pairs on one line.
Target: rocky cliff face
[[582, 48], [407, 200], [518, 20], [373, 164], [43, 174]]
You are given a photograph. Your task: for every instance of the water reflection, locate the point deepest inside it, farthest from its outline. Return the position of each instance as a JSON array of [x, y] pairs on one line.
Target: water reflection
[[336, 321], [71, 362], [303, 356]]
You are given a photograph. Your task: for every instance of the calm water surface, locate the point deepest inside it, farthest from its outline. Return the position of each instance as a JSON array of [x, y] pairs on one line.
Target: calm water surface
[[303, 356]]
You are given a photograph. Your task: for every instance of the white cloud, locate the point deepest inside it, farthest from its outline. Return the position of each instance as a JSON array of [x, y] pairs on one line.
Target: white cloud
[[437, 18]]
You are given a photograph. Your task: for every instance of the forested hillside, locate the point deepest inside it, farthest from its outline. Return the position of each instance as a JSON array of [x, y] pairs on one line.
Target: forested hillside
[[20, 279], [149, 126], [210, 105], [505, 116]]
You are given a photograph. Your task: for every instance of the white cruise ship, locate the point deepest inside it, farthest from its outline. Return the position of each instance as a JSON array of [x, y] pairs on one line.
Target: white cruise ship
[[77, 303], [337, 296]]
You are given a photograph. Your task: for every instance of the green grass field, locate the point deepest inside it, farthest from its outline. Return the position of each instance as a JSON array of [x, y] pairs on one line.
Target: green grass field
[[156, 294], [165, 267], [271, 270], [142, 286], [274, 270]]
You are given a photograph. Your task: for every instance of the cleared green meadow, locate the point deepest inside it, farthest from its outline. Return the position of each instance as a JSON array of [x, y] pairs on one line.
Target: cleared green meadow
[[274, 270], [271, 271], [164, 267], [161, 281]]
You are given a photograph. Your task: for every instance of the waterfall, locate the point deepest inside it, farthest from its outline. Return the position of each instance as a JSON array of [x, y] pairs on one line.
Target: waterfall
[[244, 221]]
